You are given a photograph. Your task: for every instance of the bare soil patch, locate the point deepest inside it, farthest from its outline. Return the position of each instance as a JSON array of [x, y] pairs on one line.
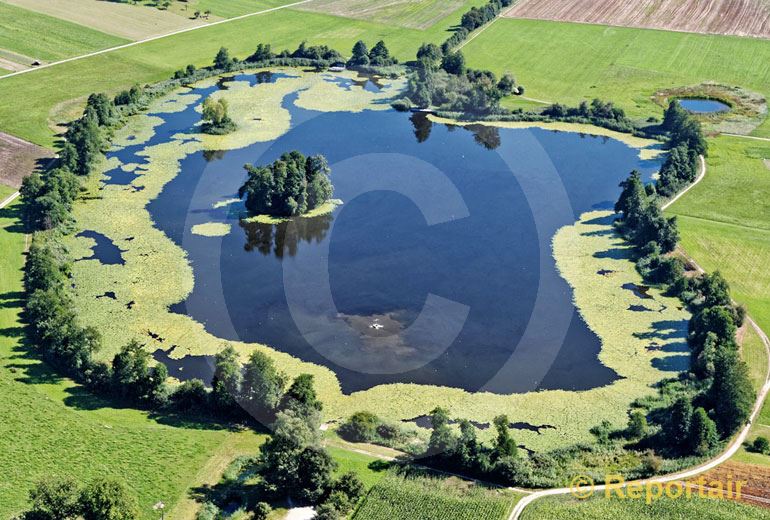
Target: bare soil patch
[[756, 489], [19, 158], [734, 17]]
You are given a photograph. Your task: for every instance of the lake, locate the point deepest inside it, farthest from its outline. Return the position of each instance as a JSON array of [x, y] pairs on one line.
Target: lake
[[435, 270], [704, 106]]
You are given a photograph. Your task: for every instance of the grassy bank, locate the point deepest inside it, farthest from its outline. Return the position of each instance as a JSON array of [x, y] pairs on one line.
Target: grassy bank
[[49, 425], [571, 62]]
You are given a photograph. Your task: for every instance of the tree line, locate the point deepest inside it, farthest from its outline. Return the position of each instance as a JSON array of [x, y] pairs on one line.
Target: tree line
[[716, 396]]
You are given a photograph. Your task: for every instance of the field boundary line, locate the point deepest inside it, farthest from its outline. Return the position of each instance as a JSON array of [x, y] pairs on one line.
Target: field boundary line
[[9, 199], [153, 38], [731, 449]]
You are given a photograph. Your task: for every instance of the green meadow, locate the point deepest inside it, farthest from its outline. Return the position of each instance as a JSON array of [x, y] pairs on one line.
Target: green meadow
[[46, 38], [725, 220], [49, 425], [571, 62], [41, 91]]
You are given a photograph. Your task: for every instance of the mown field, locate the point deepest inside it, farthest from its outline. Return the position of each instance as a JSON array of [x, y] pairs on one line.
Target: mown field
[[125, 20], [568, 62], [559, 508], [725, 220], [417, 14], [41, 91], [45, 38], [49, 425], [431, 498]]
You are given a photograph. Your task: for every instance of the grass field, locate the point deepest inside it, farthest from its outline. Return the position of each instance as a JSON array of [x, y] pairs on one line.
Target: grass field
[[47, 38], [559, 508], [725, 220], [49, 425], [41, 91], [431, 498], [417, 14], [125, 20], [567, 62]]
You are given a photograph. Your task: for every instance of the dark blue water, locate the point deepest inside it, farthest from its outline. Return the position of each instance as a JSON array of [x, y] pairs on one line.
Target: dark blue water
[[105, 251], [704, 106], [462, 293]]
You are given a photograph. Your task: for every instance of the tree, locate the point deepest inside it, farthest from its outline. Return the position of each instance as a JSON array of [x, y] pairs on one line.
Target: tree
[[103, 107], [261, 511], [505, 446], [223, 61], [314, 473], [226, 384], [350, 485], [54, 499], [454, 63], [731, 391], [262, 386], [359, 56], [677, 427], [302, 399], [674, 116], [380, 56], [637, 424], [360, 427], [190, 395], [263, 53], [215, 117], [442, 442], [507, 84], [105, 499], [632, 198], [86, 138], [133, 377], [429, 55], [716, 320], [761, 445], [703, 432]]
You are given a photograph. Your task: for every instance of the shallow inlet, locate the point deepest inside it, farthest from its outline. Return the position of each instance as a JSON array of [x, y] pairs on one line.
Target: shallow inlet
[[704, 106], [384, 259]]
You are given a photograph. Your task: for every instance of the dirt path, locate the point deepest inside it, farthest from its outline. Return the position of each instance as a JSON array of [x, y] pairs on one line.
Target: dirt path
[[10, 199], [749, 137], [691, 186], [11, 65], [153, 38], [731, 449]]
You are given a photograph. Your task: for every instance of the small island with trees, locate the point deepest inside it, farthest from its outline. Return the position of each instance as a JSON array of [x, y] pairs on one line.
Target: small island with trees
[[290, 186]]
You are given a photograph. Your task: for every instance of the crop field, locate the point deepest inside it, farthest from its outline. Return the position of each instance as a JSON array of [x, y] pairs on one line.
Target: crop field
[[725, 220], [432, 498], [417, 14], [559, 508], [125, 20], [569, 62], [734, 17], [45, 38]]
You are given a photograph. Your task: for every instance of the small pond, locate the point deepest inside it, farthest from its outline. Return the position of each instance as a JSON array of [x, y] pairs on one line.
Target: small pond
[[704, 106], [434, 216]]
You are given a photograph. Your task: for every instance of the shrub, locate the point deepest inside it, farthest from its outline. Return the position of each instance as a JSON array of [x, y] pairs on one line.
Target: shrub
[[360, 427], [761, 445]]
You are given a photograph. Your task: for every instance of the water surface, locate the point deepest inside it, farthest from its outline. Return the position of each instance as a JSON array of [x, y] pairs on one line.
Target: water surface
[[494, 198]]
